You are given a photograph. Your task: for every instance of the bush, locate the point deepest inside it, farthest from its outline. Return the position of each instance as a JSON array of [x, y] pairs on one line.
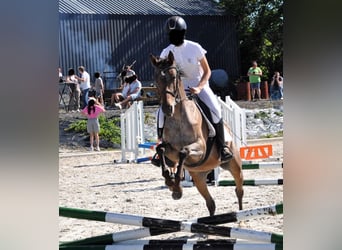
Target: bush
[[109, 130]]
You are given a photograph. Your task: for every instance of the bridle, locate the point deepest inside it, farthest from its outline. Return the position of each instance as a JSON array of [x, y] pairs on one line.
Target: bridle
[[175, 93]]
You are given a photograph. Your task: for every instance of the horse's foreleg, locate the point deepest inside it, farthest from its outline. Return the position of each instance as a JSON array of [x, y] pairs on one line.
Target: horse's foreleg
[[177, 191], [165, 171], [200, 181]]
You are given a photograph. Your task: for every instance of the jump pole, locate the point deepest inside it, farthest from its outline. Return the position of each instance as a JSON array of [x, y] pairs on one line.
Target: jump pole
[[146, 232], [109, 239], [147, 145], [185, 246], [160, 228], [189, 227], [252, 182], [135, 220], [262, 165]]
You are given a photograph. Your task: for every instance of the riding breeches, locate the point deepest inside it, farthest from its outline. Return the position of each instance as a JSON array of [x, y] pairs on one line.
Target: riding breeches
[[208, 97]]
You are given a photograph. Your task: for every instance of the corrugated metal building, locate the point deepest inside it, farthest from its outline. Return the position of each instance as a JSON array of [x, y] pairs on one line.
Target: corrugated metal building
[[103, 35]]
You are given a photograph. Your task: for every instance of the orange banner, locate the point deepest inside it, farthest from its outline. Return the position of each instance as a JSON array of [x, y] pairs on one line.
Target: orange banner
[[256, 152]]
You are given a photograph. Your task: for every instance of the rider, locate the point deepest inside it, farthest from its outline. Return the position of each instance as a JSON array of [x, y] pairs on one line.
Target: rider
[[195, 73]]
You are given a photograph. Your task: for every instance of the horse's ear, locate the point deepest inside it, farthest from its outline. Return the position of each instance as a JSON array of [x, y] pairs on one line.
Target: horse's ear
[[153, 59], [171, 57]]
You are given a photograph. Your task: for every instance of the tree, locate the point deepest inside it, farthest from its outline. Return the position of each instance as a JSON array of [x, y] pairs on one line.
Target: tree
[[259, 24]]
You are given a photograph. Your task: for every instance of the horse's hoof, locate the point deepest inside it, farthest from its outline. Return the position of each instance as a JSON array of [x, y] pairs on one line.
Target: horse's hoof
[[176, 195]]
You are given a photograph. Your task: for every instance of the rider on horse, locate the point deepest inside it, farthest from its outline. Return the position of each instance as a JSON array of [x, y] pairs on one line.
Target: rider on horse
[[195, 73]]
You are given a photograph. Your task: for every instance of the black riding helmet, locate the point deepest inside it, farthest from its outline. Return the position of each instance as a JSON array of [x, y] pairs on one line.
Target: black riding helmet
[[175, 27]]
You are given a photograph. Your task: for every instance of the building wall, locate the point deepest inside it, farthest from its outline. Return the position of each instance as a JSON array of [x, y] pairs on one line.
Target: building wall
[[105, 43]]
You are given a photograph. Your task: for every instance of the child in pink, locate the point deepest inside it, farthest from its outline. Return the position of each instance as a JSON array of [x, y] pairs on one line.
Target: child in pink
[[92, 111]]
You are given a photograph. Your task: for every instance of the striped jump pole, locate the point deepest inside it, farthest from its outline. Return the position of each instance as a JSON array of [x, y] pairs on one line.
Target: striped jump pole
[[241, 215], [143, 159], [189, 227], [167, 226], [179, 241], [252, 182], [180, 246], [262, 165], [109, 239], [151, 146], [135, 220]]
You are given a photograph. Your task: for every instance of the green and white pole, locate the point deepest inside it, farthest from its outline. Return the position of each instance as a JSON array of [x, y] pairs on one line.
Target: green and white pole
[[180, 246], [262, 165], [141, 221], [252, 182]]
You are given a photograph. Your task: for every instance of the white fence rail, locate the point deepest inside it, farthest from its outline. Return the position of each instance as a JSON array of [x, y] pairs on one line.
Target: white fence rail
[[235, 117]]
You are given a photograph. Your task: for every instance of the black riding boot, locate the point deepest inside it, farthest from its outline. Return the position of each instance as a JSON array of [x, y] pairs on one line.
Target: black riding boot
[[226, 154], [160, 133], [155, 160]]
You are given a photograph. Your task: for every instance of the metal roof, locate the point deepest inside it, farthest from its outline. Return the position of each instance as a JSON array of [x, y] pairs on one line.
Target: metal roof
[[140, 7]]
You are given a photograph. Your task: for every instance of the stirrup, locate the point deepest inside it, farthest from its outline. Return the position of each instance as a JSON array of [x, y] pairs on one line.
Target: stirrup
[[155, 161], [226, 155]]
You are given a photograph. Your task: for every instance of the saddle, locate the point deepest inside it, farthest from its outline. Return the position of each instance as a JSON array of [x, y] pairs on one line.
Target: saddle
[[206, 114]]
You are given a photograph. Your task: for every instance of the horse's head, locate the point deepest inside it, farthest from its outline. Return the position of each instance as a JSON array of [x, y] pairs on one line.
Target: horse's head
[[168, 82]]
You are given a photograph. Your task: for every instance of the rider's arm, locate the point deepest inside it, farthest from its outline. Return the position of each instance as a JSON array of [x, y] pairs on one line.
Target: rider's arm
[[206, 73], [205, 77]]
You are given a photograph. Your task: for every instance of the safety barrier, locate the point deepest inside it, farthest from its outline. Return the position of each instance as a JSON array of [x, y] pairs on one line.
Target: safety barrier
[[156, 226], [235, 117]]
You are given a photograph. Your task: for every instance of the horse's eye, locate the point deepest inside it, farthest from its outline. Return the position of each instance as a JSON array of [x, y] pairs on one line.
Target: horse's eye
[[162, 73]]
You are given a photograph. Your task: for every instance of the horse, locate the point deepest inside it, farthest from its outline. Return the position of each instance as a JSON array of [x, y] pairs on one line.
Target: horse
[[185, 138]]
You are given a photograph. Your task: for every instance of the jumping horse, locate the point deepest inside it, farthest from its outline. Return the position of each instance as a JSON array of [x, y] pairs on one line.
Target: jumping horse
[[185, 138]]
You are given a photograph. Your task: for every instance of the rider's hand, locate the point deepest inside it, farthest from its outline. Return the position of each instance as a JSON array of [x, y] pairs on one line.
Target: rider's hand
[[195, 90]]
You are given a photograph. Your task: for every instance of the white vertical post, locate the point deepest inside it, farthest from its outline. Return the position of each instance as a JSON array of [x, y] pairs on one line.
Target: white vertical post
[[132, 130]]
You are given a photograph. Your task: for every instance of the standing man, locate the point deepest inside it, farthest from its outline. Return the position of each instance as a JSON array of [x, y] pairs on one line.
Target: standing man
[[85, 85], [277, 86], [254, 73]]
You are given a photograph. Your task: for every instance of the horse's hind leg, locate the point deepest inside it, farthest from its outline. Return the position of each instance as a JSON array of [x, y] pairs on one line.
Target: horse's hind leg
[[235, 168], [200, 181]]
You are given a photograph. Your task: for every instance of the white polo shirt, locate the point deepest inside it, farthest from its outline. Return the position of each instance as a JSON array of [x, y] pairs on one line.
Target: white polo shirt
[[187, 57]]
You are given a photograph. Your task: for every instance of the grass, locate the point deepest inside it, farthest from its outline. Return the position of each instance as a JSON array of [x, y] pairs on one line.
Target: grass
[[278, 134]]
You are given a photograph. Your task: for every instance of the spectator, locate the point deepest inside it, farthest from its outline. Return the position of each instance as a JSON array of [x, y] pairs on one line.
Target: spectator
[[276, 86], [74, 103], [120, 96], [134, 90], [92, 111], [124, 87], [254, 73], [85, 85], [99, 89]]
